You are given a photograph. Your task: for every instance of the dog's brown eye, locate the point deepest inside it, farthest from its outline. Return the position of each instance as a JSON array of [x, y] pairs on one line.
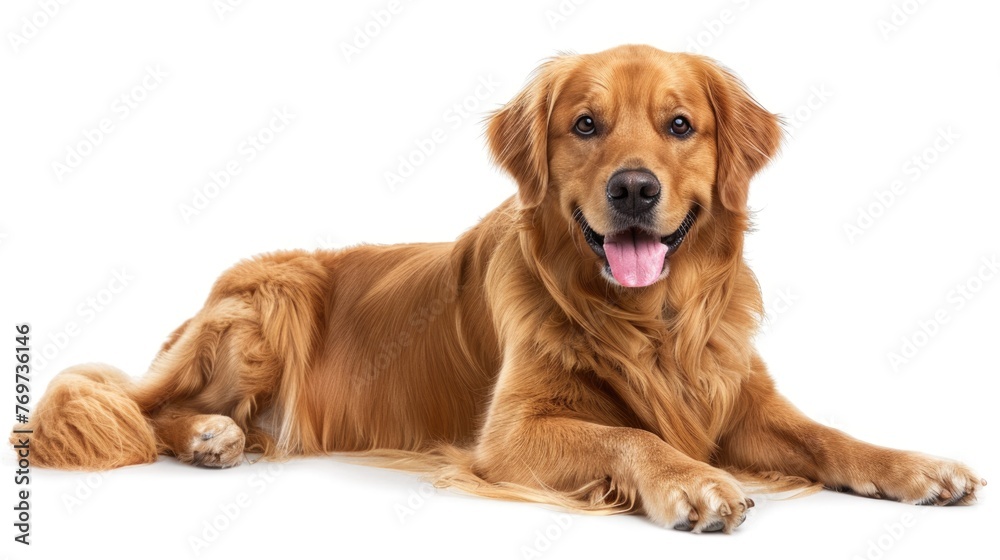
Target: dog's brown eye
[[585, 125], [680, 126]]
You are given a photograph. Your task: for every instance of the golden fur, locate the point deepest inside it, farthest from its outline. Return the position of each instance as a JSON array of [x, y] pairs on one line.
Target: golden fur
[[505, 364]]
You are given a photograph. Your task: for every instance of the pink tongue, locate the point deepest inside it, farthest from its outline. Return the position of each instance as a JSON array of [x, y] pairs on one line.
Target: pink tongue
[[636, 257]]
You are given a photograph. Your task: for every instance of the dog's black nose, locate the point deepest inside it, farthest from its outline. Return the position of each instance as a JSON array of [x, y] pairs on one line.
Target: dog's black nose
[[633, 191]]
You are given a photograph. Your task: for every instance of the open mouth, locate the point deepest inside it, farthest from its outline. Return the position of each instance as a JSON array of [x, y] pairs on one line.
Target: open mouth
[[635, 257]]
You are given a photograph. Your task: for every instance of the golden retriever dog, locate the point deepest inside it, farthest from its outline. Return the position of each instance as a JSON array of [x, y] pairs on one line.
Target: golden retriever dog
[[587, 344]]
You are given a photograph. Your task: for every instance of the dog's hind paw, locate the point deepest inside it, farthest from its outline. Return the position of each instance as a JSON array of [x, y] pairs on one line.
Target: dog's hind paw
[[217, 442]]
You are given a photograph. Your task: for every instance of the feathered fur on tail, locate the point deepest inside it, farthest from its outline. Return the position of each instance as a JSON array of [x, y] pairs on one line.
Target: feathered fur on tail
[[449, 466], [87, 420]]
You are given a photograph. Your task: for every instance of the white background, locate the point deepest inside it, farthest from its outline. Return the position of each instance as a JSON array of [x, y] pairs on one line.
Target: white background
[[861, 101]]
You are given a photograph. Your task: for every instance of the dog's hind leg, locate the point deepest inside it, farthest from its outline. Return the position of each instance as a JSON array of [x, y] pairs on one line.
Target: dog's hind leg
[[231, 376], [208, 383]]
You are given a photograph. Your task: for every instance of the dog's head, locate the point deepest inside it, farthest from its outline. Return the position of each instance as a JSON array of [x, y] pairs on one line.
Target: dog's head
[[634, 146]]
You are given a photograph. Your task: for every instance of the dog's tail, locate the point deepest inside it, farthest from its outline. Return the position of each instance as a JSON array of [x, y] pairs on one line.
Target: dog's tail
[[776, 486], [87, 420], [449, 466]]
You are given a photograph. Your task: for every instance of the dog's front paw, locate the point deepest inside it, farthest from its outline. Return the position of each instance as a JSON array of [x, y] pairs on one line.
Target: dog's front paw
[[705, 499], [916, 478]]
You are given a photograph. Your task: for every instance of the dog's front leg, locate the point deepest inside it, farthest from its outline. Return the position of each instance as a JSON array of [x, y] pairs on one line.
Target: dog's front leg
[[560, 452], [768, 433]]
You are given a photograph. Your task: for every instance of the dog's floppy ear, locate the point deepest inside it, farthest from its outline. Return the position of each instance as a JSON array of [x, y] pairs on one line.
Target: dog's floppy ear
[[518, 132], [747, 135]]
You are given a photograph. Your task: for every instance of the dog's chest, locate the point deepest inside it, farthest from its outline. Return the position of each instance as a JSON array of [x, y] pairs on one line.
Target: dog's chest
[[644, 382]]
